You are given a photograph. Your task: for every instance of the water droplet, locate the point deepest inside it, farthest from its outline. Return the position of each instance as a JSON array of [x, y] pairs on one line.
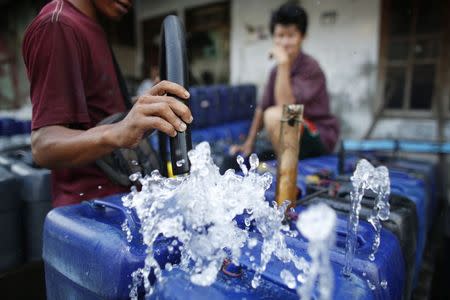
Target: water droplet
[[252, 243], [134, 163], [288, 279], [180, 163], [384, 284], [168, 267], [254, 162], [99, 187], [240, 161], [371, 285], [134, 177], [81, 194], [301, 278], [255, 282]]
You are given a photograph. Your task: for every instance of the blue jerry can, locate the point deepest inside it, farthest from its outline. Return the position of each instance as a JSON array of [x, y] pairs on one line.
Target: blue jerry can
[[87, 254], [178, 286], [389, 264], [404, 182]]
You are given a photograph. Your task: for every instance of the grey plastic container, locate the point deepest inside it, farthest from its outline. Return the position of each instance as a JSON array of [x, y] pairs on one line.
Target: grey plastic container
[[36, 198], [11, 243], [33, 194]]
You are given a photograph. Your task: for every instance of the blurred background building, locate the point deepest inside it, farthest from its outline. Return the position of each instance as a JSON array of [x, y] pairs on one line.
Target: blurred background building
[[384, 60]]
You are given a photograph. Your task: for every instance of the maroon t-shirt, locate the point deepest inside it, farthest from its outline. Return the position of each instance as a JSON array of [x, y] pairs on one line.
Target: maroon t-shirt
[[309, 88], [72, 83]]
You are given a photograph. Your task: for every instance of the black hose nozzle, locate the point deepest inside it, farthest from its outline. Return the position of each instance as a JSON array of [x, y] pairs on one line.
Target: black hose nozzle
[[174, 67]]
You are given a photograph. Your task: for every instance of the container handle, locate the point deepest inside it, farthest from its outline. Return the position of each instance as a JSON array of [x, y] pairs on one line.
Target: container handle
[[134, 228]]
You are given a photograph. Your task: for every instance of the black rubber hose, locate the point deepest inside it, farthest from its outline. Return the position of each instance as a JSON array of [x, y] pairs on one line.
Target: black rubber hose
[[173, 67]]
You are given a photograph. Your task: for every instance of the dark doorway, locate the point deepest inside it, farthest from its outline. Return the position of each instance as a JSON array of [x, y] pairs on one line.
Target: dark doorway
[[151, 29]]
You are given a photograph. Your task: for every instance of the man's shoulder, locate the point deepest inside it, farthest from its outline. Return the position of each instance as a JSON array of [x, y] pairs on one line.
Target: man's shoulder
[[55, 14], [311, 62]]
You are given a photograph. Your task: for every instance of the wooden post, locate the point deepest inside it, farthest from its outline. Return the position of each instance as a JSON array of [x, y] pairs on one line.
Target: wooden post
[[289, 147]]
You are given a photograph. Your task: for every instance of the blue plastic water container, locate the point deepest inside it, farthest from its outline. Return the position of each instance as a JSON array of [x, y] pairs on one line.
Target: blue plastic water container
[[9, 127], [403, 182], [429, 171], [87, 255], [199, 113], [388, 266], [244, 101], [389, 263], [210, 101], [227, 106], [178, 286]]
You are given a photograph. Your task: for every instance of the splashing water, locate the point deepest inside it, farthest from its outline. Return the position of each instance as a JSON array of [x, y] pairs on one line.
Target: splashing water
[[200, 211], [318, 224], [126, 229], [380, 212], [288, 279], [180, 162], [366, 177]]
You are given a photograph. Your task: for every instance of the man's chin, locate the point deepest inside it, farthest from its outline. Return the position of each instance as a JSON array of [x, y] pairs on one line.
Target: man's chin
[[115, 17]]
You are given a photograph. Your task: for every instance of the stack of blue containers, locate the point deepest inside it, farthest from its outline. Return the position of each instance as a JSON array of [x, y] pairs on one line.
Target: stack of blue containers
[[222, 112], [87, 256], [10, 127], [413, 180]]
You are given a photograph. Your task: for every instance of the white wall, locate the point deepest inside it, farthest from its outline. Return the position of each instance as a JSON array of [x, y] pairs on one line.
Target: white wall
[[249, 56]]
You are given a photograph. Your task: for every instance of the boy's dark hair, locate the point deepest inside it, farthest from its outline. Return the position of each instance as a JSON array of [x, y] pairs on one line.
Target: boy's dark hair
[[290, 14]]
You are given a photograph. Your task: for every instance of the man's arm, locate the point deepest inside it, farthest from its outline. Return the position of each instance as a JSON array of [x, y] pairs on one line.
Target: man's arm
[[247, 147], [59, 146], [283, 90], [256, 126]]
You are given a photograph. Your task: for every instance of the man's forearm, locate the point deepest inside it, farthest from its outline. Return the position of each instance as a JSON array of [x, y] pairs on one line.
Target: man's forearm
[[58, 146], [283, 89], [256, 125]]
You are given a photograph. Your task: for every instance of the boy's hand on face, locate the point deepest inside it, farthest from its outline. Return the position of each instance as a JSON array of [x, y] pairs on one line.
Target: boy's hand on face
[[154, 110], [279, 54]]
